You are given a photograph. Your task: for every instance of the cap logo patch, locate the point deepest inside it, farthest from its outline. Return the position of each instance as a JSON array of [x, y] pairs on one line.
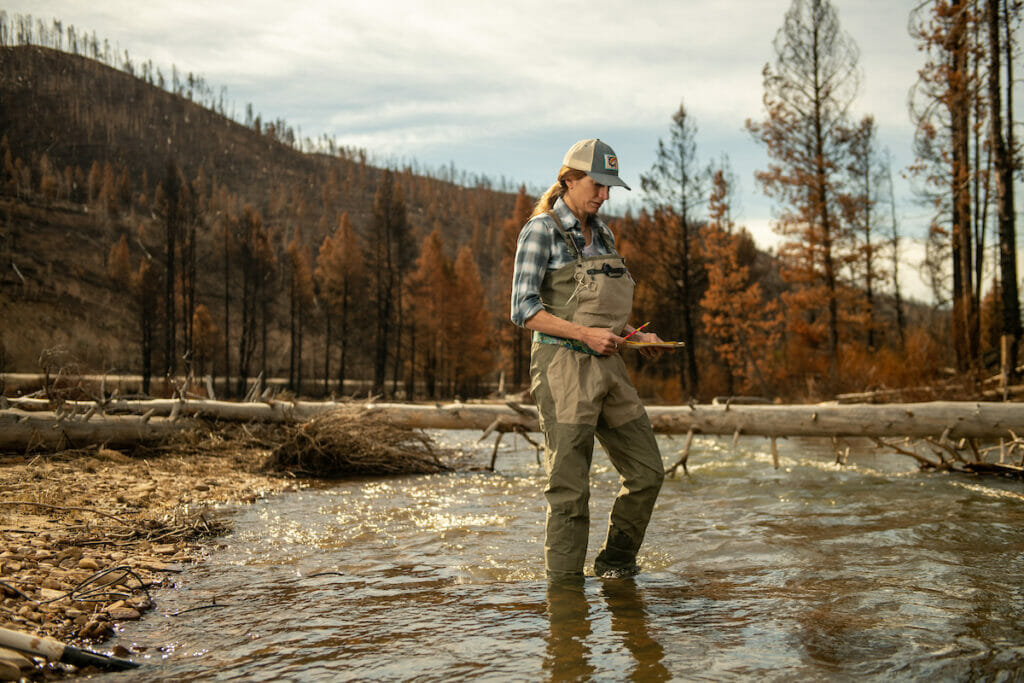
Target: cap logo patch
[[611, 162]]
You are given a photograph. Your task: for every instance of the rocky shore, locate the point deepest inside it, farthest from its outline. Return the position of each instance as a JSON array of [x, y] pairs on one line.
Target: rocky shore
[[85, 535]]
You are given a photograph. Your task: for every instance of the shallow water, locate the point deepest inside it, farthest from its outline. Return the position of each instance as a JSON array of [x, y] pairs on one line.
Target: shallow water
[[812, 571]]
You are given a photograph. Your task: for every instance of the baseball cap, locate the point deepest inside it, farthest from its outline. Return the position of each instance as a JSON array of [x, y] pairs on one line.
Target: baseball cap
[[597, 160]]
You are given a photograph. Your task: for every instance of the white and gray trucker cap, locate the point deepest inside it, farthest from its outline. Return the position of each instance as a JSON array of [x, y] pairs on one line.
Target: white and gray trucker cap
[[597, 160]]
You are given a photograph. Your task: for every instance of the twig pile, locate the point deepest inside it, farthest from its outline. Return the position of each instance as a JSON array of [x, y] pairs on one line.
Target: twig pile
[[354, 442]]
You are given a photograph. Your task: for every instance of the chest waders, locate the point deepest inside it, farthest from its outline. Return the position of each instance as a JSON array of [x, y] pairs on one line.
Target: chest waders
[[580, 395]]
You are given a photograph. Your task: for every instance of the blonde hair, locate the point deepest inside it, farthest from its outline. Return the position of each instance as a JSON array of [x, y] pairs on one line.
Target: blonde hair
[[548, 199]]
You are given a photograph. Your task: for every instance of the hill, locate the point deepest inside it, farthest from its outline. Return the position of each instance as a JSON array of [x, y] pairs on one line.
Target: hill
[[87, 151]]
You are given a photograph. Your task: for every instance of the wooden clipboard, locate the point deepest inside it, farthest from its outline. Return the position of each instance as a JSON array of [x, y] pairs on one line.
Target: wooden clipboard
[[654, 345]]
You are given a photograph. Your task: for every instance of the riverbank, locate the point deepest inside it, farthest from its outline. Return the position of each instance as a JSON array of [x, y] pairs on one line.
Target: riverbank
[[84, 535]]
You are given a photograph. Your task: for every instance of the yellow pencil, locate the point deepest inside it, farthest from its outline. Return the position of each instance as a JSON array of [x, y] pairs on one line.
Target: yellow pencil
[[636, 330]]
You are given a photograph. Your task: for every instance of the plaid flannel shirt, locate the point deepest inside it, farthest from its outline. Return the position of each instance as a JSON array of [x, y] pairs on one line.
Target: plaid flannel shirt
[[541, 248]]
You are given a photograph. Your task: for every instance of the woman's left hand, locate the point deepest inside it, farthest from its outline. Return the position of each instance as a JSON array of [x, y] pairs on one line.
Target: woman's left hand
[[650, 338]]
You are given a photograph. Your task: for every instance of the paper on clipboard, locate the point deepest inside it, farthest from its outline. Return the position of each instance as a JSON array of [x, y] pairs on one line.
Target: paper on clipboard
[[654, 345]]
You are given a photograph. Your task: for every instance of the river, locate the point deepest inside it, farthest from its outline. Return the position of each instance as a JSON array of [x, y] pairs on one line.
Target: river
[[812, 571]]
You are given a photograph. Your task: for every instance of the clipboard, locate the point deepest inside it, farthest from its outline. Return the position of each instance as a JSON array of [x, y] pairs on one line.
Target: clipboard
[[653, 345]]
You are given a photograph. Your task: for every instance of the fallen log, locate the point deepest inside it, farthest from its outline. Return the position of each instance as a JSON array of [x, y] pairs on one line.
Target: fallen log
[[91, 423], [20, 431], [953, 419]]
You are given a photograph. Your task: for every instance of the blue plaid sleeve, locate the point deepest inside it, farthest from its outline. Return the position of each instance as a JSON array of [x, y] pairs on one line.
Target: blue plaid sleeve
[[533, 251]]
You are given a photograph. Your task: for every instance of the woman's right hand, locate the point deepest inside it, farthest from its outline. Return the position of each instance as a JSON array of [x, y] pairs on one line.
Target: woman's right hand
[[601, 340]]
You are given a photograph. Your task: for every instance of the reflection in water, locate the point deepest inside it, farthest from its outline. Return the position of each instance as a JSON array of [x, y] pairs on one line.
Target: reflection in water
[[629, 618], [569, 656]]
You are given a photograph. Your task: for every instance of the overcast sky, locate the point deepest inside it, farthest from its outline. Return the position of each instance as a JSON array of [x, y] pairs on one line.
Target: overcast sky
[[504, 88]]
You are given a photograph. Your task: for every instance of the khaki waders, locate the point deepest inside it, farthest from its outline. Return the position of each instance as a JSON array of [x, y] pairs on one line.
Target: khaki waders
[[580, 395]]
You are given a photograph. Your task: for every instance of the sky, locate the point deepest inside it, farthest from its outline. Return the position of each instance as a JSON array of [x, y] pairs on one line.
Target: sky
[[503, 89]]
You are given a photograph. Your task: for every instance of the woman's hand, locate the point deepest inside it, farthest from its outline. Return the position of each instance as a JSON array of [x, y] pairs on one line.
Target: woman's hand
[[601, 340], [650, 338]]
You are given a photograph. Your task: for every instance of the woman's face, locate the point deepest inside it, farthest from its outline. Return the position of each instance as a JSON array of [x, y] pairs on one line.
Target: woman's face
[[585, 196]]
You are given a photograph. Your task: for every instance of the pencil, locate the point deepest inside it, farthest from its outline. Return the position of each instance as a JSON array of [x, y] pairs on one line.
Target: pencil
[[636, 330]]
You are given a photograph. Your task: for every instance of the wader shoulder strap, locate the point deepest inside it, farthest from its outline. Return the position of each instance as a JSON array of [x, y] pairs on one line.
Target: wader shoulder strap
[[573, 249]]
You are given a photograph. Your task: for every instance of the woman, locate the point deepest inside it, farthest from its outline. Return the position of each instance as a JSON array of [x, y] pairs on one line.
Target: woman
[[573, 290]]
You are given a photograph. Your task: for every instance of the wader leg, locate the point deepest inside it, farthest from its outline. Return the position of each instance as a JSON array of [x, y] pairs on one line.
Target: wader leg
[[569, 449], [634, 453], [568, 455]]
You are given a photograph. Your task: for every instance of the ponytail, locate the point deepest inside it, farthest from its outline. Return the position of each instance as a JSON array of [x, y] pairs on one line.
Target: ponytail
[[548, 199]]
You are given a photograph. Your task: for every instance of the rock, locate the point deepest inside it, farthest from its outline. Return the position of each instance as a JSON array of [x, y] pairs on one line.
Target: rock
[[73, 552], [121, 651], [48, 594], [16, 658], [9, 671], [88, 563], [165, 549], [124, 614], [202, 487], [97, 629], [140, 603], [151, 565]]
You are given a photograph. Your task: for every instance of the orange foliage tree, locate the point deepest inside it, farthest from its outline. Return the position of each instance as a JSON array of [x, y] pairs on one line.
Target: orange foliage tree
[[651, 245], [205, 339], [471, 335], [736, 317], [452, 326], [431, 290], [807, 93], [340, 277], [515, 341]]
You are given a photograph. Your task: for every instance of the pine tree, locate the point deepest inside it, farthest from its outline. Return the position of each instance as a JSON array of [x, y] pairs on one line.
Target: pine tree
[[431, 290], [678, 182], [472, 336], [300, 296], [341, 277], [515, 340], [736, 317], [808, 91], [389, 253]]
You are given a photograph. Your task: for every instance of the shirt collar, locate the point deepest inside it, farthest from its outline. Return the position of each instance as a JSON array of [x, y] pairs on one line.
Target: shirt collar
[[570, 222], [565, 214]]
